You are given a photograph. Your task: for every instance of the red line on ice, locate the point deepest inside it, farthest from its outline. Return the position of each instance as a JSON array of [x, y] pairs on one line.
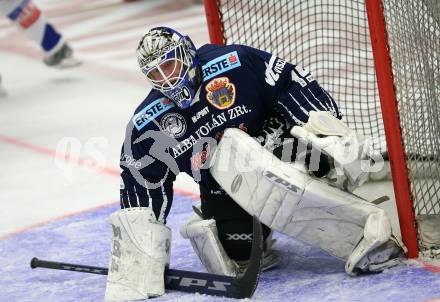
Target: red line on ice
[[78, 162], [84, 163], [67, 158], [429, 266]]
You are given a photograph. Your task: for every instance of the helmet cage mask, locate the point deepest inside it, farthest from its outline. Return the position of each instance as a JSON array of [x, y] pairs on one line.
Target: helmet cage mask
[[170, 64], [166, 72]]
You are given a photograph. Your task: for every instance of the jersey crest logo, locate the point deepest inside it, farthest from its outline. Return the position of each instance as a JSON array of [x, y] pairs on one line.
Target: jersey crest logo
[[220, 93], [173, 124]]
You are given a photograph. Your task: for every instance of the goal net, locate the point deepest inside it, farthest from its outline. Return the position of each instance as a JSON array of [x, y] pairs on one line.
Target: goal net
[[332, 39]]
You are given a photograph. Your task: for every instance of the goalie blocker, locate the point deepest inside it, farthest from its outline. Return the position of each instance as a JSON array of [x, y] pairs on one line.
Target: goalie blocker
[[287, 199], [140, 253]]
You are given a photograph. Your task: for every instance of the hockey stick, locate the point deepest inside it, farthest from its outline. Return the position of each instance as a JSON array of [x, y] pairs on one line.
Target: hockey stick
[[242, 286]]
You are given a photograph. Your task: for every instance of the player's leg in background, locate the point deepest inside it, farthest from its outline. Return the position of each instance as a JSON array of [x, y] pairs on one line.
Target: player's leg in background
[[30, 18], [3, 92]]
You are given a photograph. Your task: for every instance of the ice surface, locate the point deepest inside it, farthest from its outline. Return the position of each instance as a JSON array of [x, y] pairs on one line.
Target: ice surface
[[304, 274], [93, 103]]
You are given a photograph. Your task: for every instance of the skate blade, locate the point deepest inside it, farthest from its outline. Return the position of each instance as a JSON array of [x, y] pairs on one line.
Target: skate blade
[[68, 63]]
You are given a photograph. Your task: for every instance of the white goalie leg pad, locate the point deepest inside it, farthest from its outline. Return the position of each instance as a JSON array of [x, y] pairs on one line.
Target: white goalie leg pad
[[204, 238], [332, 137], [140, 252], [287, 199]]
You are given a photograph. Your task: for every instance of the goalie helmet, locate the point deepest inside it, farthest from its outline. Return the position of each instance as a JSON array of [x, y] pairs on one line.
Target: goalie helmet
[[168, 59]]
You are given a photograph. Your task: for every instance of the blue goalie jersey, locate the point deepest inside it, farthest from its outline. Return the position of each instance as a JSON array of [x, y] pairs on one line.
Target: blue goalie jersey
[[241, 87]]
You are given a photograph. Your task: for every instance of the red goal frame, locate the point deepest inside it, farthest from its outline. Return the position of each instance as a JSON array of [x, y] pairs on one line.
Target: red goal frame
[[390, 113]]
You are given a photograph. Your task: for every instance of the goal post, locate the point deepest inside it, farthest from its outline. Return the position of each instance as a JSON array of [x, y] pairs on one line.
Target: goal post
[[380, 60], [390, 114], [214, 22]]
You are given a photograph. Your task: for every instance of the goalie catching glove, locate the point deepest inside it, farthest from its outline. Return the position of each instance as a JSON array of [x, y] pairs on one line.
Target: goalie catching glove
[[329, 135]]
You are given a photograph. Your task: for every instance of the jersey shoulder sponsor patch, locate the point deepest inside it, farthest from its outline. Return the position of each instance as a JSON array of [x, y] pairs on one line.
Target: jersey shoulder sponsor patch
[[273, 70], [220, 65], [151, 111]]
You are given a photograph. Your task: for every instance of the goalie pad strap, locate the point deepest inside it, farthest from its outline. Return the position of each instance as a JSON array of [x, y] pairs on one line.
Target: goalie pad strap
[[140, 252]]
